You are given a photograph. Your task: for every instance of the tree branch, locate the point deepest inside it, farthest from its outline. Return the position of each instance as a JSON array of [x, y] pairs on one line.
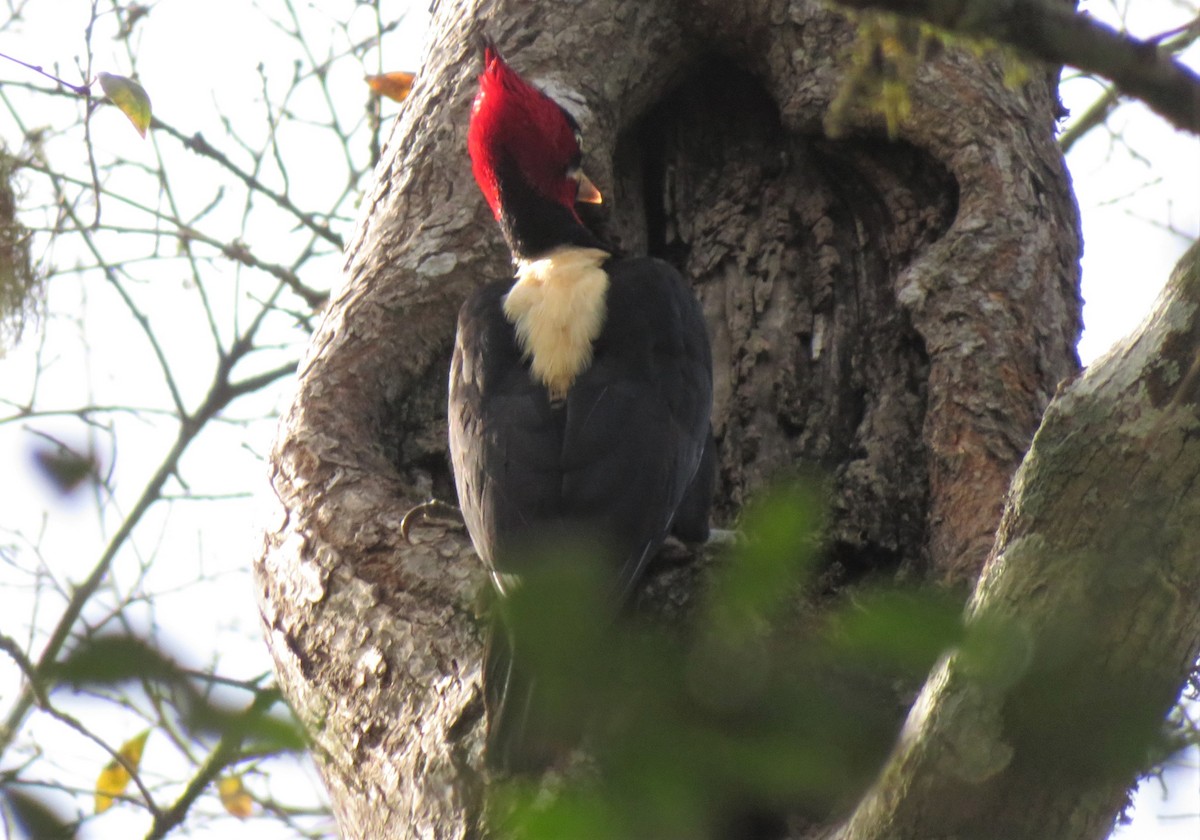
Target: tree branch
[[226, 753], [197, 144], [1056, 34], [80, 90], [1040, 729], [1097, 113]]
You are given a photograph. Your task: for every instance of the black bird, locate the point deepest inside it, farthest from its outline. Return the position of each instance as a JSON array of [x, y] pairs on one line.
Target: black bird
[[580, 391]]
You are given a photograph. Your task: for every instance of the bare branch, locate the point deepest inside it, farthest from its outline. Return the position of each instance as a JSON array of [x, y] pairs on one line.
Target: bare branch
[[1097, 113], [80, 90], [202, 147], [1056, 34]]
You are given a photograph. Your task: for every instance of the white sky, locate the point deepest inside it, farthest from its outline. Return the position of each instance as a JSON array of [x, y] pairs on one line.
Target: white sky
[[198, 61]]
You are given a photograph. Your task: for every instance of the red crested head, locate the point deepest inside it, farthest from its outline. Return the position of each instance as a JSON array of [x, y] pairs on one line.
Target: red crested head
[[518, 132]]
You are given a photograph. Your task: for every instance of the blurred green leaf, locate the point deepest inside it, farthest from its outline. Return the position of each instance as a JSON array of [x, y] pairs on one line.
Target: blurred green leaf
[[996, 652], [1060, 706], [894, 630], [750, 713], [782, 532], [113, 659], [521, 812], [261, 731], [107, 660]]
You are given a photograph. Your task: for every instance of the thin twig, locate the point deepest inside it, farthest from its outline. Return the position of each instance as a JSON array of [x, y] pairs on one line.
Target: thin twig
[[79, 90], [196, 143]]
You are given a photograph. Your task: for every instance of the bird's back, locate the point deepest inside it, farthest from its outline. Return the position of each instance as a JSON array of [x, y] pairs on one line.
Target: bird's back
[[612, 460]]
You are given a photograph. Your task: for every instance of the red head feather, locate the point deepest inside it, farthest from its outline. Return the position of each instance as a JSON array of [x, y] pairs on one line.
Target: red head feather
[[514, 123]]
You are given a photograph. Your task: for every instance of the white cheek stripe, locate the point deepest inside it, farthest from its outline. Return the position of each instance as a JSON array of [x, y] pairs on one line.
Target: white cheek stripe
[[557, 308]]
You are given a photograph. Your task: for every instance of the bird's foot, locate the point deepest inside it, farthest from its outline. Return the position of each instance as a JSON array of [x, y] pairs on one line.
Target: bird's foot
[[433, 510], [724, 537]]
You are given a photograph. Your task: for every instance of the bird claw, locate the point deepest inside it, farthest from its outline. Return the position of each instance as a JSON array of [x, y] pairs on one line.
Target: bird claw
[[428, 511], [725, 537], [718, 538]]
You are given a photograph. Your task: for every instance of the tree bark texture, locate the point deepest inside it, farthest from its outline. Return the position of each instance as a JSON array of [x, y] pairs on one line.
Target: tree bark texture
[[896, 313], [1096, 576]]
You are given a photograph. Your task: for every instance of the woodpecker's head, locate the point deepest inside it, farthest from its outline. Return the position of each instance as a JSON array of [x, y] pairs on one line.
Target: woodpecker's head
[[524, 148]]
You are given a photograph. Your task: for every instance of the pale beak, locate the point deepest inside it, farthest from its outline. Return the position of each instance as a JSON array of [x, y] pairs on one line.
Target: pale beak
[[588, 194]]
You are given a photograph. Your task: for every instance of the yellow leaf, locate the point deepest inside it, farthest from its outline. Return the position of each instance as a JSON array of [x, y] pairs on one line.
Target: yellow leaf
[[392, 85], [130, 97], [114, 778], [234, 796]]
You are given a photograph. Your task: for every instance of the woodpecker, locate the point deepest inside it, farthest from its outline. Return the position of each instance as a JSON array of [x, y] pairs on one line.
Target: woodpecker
[[580, 389]]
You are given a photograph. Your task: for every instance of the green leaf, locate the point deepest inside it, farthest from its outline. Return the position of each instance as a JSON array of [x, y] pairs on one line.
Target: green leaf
[[893, 629], [578, 813], [130, 97], [780, 553], [112, 659], [261, 732]]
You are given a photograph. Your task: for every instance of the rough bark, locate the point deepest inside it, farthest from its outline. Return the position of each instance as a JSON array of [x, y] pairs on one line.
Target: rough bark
[[1096, 577], [896, 313]]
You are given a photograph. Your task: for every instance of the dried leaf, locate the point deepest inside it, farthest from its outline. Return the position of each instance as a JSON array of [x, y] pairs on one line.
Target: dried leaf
[[395, 85], [130, 97], [114, 778], [234, 796]]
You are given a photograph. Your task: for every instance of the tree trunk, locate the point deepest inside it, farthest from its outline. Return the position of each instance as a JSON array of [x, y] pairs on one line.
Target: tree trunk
[[896, 312]]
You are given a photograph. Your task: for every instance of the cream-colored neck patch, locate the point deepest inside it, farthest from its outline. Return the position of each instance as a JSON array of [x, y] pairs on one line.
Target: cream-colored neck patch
[[557, 308]]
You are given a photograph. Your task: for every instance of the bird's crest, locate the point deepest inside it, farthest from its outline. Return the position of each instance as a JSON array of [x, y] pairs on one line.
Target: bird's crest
[[515, 125]]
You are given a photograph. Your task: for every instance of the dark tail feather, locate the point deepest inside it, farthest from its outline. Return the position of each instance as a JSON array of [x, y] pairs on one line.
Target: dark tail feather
[[691, 517], [514, 742]]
